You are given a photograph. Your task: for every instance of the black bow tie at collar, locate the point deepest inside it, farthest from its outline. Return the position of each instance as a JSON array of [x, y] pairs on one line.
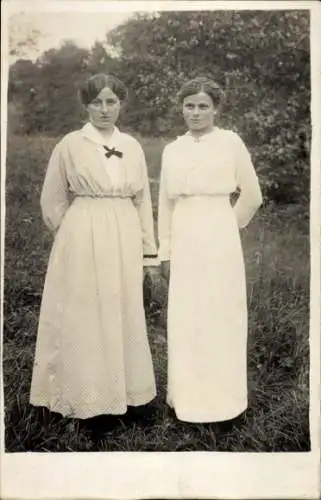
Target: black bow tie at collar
[[112, 151]]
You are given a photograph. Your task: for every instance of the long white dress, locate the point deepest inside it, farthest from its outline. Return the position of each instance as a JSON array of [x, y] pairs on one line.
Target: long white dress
[[92, 353], [207, 305]]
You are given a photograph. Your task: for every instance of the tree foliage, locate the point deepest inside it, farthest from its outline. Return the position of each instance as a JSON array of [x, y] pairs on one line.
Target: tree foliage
[[23, 36], [260, 58]]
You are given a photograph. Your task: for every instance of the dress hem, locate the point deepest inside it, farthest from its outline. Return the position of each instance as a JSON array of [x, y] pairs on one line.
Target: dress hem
[[210, 419], [95, 412]]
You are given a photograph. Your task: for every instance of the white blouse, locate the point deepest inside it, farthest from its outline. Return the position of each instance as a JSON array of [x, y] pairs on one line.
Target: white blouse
[[78, 167], [215, 164]]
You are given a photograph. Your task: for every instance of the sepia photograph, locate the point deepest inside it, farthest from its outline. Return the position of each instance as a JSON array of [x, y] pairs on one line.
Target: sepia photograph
[[157, 231]]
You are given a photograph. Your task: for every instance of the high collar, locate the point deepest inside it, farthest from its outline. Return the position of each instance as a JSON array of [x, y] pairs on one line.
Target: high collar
[[93, 134], [202, 138]]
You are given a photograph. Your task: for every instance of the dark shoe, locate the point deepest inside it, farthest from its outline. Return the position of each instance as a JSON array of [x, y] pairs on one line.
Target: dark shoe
[[141, 415], [227, 426], [98, 426]]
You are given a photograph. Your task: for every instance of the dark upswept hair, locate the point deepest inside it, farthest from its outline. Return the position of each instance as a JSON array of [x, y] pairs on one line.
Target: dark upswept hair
[[95, 84], [202, 84]]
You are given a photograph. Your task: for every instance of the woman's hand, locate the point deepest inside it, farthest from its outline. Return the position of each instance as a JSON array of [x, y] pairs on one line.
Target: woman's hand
[[165, 269]]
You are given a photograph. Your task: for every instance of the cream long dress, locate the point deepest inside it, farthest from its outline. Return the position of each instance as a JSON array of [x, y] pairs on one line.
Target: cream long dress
[[207, 308], [92, 353]]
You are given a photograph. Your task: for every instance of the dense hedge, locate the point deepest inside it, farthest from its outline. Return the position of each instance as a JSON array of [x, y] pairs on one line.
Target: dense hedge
[[260, 58]]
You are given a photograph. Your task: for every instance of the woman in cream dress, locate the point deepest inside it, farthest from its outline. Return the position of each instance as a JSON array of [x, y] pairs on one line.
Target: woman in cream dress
[[201, 255], [92, 354]]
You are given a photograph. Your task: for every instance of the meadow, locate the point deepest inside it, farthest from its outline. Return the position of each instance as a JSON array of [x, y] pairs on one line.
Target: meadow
[[276, 247]]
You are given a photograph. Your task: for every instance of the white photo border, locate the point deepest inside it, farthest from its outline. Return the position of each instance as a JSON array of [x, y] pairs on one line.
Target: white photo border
[[135, 475]]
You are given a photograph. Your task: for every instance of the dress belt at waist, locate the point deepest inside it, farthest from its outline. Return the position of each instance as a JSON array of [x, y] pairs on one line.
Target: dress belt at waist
[[103, 195]]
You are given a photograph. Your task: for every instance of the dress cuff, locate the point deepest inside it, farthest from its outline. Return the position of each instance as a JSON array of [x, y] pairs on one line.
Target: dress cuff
[[151, 260], [164, 251]]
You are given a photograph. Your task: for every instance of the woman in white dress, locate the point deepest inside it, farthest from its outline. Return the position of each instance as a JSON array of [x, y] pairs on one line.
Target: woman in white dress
[[202, 257], [92, 354]]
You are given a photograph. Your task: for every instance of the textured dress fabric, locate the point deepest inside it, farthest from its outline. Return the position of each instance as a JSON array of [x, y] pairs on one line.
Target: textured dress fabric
[[207, 305], [92, 353]]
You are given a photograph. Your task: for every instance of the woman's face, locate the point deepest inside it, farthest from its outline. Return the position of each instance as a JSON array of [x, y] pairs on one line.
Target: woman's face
[[198, 112], [104, 110]]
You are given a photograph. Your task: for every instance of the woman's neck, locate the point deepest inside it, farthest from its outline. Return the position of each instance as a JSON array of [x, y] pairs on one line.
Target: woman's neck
[[105, 132], [200, 133]]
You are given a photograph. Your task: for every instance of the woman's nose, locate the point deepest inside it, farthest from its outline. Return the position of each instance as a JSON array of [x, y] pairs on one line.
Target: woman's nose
[[104, 107]]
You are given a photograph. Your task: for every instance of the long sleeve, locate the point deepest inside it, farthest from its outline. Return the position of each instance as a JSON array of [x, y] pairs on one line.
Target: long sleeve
[[54, 199], [250, 198], [145, 213], [165, 212]]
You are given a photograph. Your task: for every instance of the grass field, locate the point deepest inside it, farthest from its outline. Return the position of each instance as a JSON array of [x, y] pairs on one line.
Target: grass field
[[276, 250]]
